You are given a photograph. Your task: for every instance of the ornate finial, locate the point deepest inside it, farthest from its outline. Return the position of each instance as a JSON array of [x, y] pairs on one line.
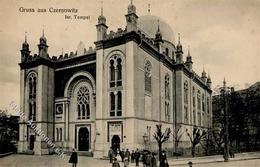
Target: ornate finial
[[25, 37], [43, 30], [179, 38], [101, 8], [61, 51], [204, 68], [131, 2], [158, 21], [149, 8], [224, 82], [188, 50]]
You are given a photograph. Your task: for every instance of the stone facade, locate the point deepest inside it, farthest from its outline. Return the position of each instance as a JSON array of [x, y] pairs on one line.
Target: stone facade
[[112, 95]]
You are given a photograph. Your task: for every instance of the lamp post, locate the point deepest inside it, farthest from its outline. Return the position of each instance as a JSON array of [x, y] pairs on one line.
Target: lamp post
[[225, 92]]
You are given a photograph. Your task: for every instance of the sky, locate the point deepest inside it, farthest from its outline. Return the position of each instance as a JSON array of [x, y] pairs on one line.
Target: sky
[[223, 35]]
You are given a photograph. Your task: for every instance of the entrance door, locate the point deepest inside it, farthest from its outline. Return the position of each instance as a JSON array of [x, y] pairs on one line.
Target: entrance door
[[83, 139], [115, 142], [31, 142]]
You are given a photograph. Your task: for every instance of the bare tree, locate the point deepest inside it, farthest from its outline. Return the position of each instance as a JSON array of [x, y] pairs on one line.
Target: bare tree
[[195, 138], [160, 136], [177, 134]]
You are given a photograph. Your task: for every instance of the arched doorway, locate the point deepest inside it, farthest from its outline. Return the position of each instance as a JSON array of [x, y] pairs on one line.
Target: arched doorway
[[83, 139], [115, 141]]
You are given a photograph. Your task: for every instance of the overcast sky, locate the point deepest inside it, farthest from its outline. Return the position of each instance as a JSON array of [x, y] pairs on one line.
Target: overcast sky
[[223, 34]]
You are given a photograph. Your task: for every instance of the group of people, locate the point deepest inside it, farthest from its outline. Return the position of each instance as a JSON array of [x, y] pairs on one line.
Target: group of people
[[148, 158]]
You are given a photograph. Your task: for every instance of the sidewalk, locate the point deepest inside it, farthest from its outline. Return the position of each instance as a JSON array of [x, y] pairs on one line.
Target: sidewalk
[[212, 159]]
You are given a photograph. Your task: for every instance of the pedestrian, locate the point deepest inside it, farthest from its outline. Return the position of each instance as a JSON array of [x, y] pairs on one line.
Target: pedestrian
[[115, 163], [133, 156], [127, 154], [163, 159], [144, 158], [110, 154], [122, 154], [148, 159], [153, 161], [137, 157], [118, 156], [74, 158]]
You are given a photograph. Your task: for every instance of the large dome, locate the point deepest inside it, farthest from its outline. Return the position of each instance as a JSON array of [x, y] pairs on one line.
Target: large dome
[[149, 25]]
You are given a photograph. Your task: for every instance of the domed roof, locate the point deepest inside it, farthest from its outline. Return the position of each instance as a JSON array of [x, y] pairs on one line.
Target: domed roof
[[149, 24]]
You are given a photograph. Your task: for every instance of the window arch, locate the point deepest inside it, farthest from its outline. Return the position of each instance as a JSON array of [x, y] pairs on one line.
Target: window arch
[[32, 87], [83, 103], [115, 71], [148, 76], [115, 85], [198, 101], [186, 95], [199, 107], [194, 105], [167, 97]]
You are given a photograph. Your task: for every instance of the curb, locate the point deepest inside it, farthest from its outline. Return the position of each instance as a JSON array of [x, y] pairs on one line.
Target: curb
[[6, 154], [218, 161]]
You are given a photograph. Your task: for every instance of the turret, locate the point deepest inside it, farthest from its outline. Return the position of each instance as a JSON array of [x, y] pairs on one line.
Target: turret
[[179, 52], [43, 47], [204, 76], [209, 83], [189, 61], [158, 38], [25, 51], [101, 26], [131, 18]]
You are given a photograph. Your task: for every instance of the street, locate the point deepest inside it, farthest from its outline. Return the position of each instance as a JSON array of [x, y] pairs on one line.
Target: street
[[17, 160]]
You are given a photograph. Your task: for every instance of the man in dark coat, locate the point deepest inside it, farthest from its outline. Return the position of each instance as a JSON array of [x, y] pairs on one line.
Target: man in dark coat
[[122, 155], [73, 158], [163, 160], [153, 161], [127, 154], [137, 157], [133, 156], [110, 154]]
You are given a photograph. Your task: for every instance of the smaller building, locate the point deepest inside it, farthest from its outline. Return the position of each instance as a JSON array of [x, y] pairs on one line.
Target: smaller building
[[243, 108]]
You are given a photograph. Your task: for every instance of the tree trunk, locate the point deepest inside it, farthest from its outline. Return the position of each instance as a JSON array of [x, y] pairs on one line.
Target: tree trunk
[[193, 151], [160, 150]]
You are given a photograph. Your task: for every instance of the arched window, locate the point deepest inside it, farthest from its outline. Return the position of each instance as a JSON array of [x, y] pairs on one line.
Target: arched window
[[115, 71], [193, 98], [83, 103], [167, 87], [148, 76], [32, 83], [203, 102], [186, 92], [208, 107], [112, 104], [198, 101], [119, 72], [112, 73], [116, 85], [199, 107], [115, 104], [119, 104], [167, 97]]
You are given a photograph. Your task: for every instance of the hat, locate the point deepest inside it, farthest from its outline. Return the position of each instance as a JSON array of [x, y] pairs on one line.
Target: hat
[[190, 163]]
